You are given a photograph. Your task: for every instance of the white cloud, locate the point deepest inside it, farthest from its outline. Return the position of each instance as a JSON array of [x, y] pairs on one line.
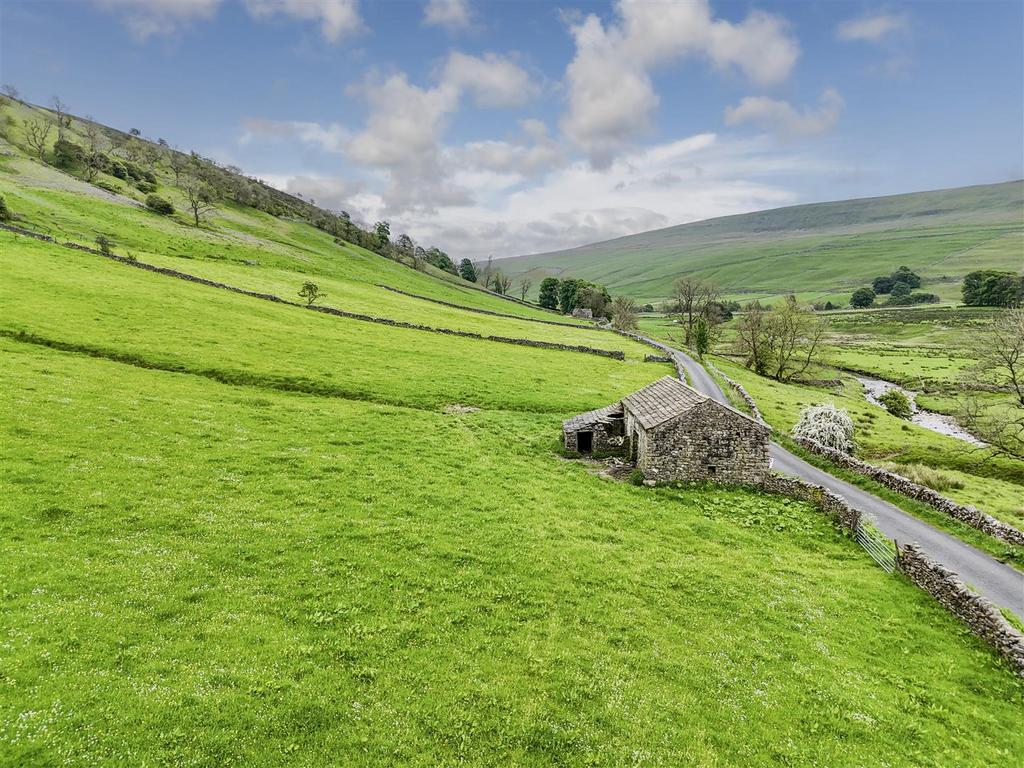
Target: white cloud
[[611, 97], [330, 138], [532, 154], [327, 191], [337, 18], [452, 15], [783, 118], [494, 80], [872, 28], [149, 18]]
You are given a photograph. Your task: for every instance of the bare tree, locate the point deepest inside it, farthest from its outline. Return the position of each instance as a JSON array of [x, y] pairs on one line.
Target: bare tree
[[37, 132], [691, 298], [487, 272], [624, 313], [61, 110], [524, 288], [178, 161], [199, 197], [500, 283], [783, 342], [10, 91], [94, 148], [997, 421]]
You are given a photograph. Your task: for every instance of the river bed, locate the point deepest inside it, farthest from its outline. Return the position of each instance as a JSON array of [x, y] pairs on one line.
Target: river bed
[[936, 422]]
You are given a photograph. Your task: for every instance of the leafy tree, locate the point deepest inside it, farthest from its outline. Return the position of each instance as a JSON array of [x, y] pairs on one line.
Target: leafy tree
[[383, 231], [624, 313], [105, 244], [595, 298], [37, 132], [862, 297], [896, 403], [828, 425], [900, 289], [549, 290], [440, 259], [311, 293], [647, 308], [781, 343], [701, 337], [159, 205], [199, 197], [993, 288], [905, 275], [467, 271], [67, 155], [568, 294], [524, 288], [882, 284], [5, 212]]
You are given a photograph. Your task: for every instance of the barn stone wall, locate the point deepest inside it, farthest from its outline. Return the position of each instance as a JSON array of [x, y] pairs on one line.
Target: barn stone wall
[[607, 439], [707, 436]]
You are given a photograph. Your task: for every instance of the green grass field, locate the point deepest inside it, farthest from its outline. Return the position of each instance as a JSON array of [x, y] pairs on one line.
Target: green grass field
[[234, 532]]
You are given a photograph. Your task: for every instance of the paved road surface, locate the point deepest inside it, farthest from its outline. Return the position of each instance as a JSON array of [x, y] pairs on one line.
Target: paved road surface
[[998, 582]]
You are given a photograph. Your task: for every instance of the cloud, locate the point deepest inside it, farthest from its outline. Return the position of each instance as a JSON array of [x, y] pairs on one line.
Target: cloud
[[148, 18], [337, 18], [330, 138], [328, 192], [452, 15], [493, 80], [610, 93], [532, 154], [872, 28], [783, 118]]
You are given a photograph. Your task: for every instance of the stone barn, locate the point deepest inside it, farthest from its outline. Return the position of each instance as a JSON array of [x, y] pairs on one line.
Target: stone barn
[[672, 432]]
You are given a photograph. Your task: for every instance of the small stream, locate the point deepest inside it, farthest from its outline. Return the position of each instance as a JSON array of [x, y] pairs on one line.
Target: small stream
[[936, 422]]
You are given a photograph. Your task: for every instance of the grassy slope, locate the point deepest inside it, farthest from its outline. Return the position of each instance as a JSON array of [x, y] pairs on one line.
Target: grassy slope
[[196, 573], [817, 251]]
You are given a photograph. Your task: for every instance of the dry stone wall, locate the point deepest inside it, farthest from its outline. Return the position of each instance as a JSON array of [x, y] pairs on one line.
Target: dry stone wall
[[483, 311], [965, 514], [739, 390], [975, 611]]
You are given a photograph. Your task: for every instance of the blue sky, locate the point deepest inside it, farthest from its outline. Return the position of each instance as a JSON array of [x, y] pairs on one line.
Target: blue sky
[[516, 127]]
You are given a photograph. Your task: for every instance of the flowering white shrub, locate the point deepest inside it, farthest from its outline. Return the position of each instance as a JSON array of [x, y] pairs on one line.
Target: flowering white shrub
[[827, 425]]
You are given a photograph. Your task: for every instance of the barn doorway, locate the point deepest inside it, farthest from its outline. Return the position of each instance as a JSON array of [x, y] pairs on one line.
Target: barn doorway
[[585, 442]]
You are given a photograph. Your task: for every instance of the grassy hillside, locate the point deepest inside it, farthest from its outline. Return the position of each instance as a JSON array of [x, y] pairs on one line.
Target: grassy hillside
[[821, 251], [239, 532]]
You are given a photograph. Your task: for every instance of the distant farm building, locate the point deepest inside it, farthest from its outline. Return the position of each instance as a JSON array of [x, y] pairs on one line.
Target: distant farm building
[[671, 432]]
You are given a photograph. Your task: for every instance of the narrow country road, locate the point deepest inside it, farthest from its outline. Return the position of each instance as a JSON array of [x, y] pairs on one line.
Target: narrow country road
[[998, 582]]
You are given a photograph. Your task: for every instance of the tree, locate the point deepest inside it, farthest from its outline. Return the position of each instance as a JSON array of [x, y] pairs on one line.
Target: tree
[[900, 289], [500, 283], [95, 160], [5, 212], [488, 272], [440, 259], [548, 297], [905, 275], [993, 288], [595, 298], [311, 293], [568, 294], [105, 243], [701, 337], [897, 403], [827, 425], [999, 422], [690, 299], [781, 343], [524, 288], [467, 271], [60, 110], [199, 196], [178, 163], [159, 205], [624, 313], [862, 297], [10, 91], [382, 230], [37, 132]]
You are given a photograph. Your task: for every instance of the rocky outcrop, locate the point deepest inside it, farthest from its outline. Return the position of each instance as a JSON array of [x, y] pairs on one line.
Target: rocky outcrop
[[965, 514], [983, 618]]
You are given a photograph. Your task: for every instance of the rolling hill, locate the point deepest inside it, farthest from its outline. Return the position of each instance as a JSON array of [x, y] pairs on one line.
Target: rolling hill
[[822, 250]]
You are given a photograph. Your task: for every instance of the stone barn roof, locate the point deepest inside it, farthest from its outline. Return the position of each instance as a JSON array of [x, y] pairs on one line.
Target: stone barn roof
[[667, 398], [590, 418]]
